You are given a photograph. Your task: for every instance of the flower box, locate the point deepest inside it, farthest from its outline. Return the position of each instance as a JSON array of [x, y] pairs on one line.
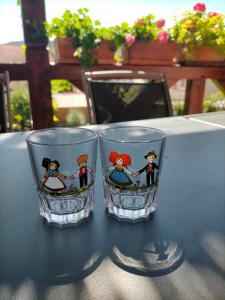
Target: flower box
[[105, 55], [204, 28], [201, 55], [152, 53], [64, 51]]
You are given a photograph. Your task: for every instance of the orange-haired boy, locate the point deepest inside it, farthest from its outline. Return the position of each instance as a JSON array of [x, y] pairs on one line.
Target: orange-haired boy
[[83, 169]]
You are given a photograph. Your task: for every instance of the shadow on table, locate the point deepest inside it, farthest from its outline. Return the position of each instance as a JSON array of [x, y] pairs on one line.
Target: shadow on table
[[49, 255], [143, 248], [65, 256]]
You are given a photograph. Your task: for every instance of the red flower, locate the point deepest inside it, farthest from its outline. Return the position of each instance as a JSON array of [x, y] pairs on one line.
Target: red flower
[[199, 7], [160, 23], [213, 14], [130, 39], [138, 22], [163, 36]]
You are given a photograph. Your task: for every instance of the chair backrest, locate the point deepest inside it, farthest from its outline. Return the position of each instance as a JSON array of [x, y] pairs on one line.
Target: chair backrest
[[5, 103], [116, 96]]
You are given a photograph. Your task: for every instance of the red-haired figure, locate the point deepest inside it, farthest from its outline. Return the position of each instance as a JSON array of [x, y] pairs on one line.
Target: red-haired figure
[[119, 172], [53, 179], [83, 170]]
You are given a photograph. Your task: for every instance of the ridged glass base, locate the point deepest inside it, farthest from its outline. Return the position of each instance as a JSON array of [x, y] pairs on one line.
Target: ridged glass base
[[130, 205], [66, 210]]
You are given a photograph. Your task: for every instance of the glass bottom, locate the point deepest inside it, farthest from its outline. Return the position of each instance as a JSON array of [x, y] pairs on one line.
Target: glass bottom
[[132, 205], [66, 210]]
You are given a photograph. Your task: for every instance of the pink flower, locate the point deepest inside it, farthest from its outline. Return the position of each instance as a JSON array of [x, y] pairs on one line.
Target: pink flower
[[130, 39], [160, 23], [199, 7], [138, 22], [163, 36], [213, 14]]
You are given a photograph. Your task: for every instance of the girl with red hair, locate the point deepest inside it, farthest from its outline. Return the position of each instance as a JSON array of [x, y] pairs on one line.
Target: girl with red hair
[[119, 172]]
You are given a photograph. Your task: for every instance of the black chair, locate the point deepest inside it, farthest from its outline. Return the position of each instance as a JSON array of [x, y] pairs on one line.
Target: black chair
[[116, 96]]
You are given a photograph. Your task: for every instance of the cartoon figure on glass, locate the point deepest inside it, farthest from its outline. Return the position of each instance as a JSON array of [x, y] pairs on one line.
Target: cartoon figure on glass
[[83, 171], [119, 174], [151, 168], [53, 179]]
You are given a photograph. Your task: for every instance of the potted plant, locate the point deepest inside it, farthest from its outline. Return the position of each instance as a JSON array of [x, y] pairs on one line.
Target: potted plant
[[75, 37], [149, 43], [113, 43], [201, 35], [105, 52]]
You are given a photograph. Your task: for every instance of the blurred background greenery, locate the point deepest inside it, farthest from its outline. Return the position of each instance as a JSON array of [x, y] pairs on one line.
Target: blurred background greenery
[[75, 114]]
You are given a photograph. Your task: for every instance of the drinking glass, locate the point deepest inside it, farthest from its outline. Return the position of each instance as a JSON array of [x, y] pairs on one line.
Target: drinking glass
[[131, 158], [63, 161]]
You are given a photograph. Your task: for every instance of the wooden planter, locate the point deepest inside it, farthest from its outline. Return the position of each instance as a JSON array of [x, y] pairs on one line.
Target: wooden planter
[[202, 55], [105, 55], [152, 53], [64, 51]]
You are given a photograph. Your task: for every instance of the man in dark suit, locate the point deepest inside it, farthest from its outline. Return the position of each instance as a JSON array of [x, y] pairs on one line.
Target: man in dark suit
[[150, 167]]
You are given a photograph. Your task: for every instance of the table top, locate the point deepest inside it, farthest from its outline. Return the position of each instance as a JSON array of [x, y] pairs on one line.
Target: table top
[[177, 254]]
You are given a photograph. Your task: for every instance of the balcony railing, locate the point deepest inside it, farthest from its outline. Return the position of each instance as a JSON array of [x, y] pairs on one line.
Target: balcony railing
[[38, 72]]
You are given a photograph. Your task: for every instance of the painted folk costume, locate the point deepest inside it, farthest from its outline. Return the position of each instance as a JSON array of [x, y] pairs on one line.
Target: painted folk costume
[[83, 170], [150, 168], [119, 174], [53, 179]]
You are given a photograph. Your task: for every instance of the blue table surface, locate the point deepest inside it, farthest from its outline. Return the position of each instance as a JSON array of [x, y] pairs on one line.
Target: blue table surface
[[177, 254]]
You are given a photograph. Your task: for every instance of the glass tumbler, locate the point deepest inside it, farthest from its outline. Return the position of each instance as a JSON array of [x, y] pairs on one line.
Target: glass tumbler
[[63, 161], [131, 158]]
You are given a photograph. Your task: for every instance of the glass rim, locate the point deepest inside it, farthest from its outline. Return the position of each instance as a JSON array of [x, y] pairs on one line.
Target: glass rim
[[164, 135], [29, 140]]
